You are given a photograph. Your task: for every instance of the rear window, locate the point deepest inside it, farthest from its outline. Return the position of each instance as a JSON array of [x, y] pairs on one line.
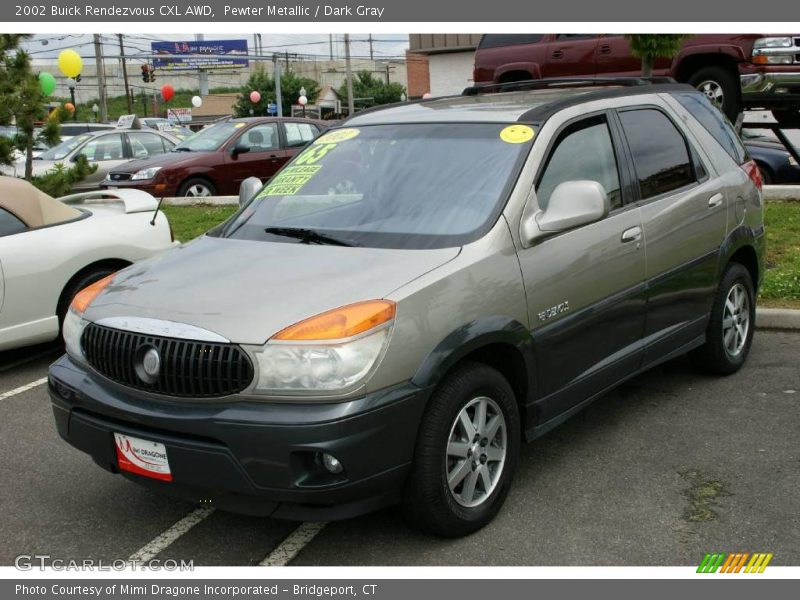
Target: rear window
[[509, 39], [715, 123]]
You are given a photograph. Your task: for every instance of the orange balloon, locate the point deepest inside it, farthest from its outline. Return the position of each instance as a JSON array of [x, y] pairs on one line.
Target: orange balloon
[[70, 106]]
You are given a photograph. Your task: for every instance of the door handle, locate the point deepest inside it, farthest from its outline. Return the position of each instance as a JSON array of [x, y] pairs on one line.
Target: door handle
[[557, 53], [634, 234], [715, 201], [605, 49]]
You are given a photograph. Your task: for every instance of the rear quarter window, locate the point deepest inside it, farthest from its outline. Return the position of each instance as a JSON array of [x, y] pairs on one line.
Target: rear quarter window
[[715, 123], [509, 39]]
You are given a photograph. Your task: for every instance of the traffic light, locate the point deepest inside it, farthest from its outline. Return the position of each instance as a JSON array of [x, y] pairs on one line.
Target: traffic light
[[148, 73]]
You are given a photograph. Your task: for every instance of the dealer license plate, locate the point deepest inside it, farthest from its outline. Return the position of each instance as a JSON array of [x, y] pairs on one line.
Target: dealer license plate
[[142, 457]]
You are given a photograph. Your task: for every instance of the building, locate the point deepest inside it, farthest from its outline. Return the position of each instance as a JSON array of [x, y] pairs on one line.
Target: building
[[440, 63]]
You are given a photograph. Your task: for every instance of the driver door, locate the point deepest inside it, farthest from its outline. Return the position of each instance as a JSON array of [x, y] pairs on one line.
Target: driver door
[[263, 157], [585, 286]]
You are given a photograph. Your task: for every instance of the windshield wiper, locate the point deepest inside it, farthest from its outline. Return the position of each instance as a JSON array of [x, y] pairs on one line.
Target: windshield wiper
[[181, 149], [309, 236]]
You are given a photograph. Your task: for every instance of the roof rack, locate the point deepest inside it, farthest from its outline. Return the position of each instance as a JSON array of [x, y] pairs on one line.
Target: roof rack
[[557, 82]]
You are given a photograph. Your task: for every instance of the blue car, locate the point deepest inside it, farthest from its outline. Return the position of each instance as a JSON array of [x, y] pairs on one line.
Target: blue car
[[776, 164]]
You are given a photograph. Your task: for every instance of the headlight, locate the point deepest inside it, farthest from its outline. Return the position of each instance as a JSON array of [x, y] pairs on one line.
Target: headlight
[[74, 323], [72, 330], [331, 353], [772, 42], [145, 173]]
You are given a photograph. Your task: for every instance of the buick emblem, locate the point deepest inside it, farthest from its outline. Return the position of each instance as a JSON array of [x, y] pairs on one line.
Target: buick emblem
[[148, 363]]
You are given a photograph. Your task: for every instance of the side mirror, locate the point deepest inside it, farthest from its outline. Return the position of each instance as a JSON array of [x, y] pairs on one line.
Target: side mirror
[[572, 204], [248, 189], [237, 150]]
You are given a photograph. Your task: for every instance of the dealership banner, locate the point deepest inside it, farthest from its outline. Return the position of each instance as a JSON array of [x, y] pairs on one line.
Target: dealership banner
[[388, 589], [206, 54], [440, 11]]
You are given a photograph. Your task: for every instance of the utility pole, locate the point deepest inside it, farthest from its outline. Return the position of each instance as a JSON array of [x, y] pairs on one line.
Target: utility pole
[[125, 74], [387, 73], [371, 57], [348, 75], [101, 77], [330, 44], [277, 76], [202, 76]]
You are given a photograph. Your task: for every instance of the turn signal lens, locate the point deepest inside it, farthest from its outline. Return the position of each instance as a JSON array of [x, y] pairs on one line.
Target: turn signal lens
[[340, 323], [84, 298]]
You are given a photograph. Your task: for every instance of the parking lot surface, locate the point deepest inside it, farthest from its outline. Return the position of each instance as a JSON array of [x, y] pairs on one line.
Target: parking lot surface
[[671, 465]]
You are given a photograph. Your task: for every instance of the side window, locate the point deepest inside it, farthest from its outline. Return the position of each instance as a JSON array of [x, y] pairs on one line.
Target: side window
[[659, 152], [583, 151], [145, 144], [104, 147], [715, 123], [561, 37], [498, 40], [9, 224], [299, 134], [260, 138]]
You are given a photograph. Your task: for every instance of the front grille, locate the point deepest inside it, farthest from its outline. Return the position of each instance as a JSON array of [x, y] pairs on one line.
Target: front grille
[[188, 369], [120, 176]]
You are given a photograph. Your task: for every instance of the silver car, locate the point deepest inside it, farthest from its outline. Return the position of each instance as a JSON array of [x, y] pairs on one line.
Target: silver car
[[106, 148], [417, 293]]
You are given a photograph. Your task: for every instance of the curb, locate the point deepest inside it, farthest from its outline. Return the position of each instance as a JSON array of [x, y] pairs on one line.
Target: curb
[[781, 193], [208, 200], [777, 318]]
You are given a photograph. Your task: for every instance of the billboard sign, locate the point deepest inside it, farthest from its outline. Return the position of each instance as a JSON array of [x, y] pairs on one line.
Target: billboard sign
[[208, 54]]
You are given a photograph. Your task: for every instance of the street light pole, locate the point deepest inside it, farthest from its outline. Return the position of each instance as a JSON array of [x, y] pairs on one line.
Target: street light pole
[[101, 76]]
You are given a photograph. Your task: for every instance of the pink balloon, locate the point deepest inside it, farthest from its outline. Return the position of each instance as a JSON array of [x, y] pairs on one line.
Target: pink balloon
[[255, 97], [427, 95]]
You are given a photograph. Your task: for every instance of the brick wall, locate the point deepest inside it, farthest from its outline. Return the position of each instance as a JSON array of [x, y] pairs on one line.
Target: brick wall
[[419, 77]]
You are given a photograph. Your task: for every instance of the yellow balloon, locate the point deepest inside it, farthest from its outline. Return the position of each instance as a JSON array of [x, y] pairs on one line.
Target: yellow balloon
[[70, 63]]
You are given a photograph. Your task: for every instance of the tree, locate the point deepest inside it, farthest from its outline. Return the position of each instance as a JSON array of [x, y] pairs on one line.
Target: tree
[[649, 47], [372, 90], [22, 104], [264, 84]]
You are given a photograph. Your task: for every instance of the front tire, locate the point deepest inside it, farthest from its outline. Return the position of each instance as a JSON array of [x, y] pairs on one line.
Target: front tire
[[466, 452], [731, 324], [197, 187], [721, 87]]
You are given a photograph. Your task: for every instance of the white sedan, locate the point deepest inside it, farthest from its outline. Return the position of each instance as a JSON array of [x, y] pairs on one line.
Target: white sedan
[[51, 249]]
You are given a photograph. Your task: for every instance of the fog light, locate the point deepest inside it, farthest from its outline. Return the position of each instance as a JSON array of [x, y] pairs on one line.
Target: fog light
[[331, 463]]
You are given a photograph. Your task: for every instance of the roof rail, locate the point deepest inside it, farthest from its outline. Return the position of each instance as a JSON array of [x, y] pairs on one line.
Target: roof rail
[[557, 82]]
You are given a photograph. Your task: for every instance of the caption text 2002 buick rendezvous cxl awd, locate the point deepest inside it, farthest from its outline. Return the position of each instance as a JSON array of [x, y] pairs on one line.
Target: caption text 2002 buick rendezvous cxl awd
[[415, 294]]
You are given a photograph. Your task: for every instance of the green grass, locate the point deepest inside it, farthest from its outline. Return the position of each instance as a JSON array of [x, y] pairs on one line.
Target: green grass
[[190, 221], [781, 282]]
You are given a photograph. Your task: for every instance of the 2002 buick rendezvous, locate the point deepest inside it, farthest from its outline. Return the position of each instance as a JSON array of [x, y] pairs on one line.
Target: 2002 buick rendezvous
[[415, 294]]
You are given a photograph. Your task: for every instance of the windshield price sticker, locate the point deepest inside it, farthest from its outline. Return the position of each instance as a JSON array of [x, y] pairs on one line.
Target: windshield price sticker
[[338, 135], [516, 134], [289, 181]]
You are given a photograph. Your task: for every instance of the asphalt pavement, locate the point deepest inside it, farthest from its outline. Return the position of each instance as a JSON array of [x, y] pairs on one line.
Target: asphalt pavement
[[669, 466]]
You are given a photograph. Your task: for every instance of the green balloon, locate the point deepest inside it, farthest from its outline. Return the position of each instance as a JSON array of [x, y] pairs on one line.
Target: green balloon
[[47, 83]]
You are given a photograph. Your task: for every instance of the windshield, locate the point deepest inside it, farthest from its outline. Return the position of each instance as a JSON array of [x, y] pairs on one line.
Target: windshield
[[394, 186], [65, 148], [209, 139]]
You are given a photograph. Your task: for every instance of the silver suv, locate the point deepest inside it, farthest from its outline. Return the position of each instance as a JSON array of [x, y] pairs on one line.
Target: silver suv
[[416, 293]]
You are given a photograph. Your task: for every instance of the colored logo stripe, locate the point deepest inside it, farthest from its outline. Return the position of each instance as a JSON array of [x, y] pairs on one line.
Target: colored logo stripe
[[734, 562]]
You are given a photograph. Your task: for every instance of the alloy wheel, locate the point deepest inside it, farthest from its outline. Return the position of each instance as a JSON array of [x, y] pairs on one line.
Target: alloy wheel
[[736, 320], [713, 91]]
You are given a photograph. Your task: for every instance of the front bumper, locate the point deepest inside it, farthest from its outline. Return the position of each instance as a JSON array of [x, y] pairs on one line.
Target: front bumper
[[156, 189], [248, 457], [771, 88]]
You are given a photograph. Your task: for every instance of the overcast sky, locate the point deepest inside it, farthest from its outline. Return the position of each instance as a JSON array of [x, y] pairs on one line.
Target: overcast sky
[[47, 46]]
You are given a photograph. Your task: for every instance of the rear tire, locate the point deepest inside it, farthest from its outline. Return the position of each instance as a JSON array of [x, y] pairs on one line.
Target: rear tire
[[731, 324], [197, 187], [721, 87], [80, 282], [464, 463]]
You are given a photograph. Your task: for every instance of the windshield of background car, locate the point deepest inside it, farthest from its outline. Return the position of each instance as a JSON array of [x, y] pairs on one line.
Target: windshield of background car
[[393, 186], [209, 139], [65, 148]]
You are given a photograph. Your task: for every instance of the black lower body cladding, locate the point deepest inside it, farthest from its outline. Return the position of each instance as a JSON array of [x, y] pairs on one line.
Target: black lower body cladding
[[250, 457]]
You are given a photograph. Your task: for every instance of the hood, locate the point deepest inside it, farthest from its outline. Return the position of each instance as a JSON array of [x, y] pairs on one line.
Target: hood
[[168, 159], [246, 291]]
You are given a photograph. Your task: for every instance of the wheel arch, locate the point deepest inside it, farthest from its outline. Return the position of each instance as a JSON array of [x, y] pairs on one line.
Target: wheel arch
[[740, 247], [106, 263], [499, 342], [689, 64]]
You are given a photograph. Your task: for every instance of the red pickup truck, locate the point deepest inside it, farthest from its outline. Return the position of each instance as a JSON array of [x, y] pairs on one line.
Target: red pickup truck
[[736, 71]]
